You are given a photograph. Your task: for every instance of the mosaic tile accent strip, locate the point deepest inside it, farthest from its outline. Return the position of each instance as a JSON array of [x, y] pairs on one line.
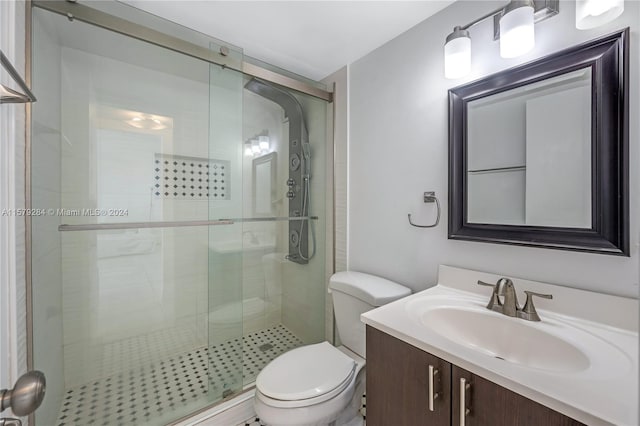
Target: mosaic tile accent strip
[[191, 178], [149, 394]]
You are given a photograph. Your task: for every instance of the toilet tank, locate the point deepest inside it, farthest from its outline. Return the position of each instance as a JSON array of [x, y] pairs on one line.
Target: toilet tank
[[355, 293]]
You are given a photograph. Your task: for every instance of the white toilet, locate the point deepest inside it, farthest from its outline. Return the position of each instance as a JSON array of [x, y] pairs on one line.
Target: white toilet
[[321, 384]]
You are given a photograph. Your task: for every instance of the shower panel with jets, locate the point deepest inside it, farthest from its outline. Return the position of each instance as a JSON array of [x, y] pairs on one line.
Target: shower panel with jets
[[156, 290], [299, 169]]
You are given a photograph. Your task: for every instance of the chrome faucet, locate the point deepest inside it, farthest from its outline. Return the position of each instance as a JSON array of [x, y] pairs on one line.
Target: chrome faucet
[[509, 304]]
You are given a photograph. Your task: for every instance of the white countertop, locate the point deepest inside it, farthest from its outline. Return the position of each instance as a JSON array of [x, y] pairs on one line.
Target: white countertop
[[603, 393]]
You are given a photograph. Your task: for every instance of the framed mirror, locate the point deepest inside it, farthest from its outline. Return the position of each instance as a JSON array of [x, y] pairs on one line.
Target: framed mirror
[[264, 184], [538, 154]]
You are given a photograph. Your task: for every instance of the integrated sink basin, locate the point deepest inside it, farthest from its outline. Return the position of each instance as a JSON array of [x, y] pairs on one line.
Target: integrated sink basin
[[509, 339], [551, 345]]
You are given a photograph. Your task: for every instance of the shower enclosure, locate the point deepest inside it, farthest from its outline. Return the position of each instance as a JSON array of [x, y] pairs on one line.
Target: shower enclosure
[[181, 244]]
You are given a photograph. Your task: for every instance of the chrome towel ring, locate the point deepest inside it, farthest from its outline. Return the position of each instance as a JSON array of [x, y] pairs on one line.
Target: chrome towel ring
[[429, 197]]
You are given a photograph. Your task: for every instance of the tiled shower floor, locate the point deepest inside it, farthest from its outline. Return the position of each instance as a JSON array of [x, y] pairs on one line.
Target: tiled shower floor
[[151, 394]]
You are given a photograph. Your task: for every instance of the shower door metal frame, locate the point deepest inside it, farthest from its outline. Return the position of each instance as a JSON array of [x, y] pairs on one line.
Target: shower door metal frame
[[73, 10], [28, 234]]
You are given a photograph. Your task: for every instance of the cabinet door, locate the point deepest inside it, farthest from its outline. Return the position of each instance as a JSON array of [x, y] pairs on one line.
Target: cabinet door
[[398, 384], [489, 404]]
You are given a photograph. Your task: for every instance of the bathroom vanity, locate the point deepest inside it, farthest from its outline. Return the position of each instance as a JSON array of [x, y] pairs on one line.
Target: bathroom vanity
[[440, 357], [404, 395]]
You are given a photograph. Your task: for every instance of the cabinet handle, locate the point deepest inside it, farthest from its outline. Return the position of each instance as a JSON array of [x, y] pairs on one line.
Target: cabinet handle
[[432, 394], [464, 411]]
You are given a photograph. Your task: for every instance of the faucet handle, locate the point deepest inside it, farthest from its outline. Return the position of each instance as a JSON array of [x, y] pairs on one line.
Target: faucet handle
[[486, 284], [533, 293], [528, 311], [494, 303]]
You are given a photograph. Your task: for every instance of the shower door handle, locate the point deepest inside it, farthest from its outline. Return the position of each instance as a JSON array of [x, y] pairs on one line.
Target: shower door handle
[[26, 396], [185, 223]]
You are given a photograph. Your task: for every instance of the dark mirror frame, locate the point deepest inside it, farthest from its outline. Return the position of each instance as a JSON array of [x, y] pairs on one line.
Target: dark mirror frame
[[608, 58]]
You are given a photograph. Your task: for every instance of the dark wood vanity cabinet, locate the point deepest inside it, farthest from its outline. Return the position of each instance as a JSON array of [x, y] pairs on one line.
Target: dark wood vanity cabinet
[[491, 404], [398, 384], [398, 392]]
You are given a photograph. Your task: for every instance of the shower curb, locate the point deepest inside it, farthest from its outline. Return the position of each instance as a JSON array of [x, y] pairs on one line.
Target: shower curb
[[232, 412]]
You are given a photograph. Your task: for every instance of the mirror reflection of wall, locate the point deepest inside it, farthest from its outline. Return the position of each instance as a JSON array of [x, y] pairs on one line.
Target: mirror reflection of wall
[[529, 154], [264, 176]]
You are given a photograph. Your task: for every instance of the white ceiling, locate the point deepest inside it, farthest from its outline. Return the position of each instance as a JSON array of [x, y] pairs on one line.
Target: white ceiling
[[309, 38]]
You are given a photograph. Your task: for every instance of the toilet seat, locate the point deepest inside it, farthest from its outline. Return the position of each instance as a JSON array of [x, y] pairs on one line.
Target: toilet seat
[[305, 376]]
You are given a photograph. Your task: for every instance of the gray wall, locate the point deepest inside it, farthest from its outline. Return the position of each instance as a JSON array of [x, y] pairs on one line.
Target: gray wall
[[398, 150]]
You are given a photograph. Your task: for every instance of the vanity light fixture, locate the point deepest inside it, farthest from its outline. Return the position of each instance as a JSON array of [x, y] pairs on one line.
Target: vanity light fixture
[[513, 25], [247, 148], [255, 146], [457, 54], [263, 143], [593, 13], [517, 35]]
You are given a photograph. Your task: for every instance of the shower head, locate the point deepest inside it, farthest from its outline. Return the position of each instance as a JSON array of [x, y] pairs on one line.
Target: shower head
[[256, 86], [273, 93], [286, 100]]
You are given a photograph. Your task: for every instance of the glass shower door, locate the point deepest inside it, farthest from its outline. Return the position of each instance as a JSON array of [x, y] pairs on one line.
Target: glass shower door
[[128, 140], [173, 264]]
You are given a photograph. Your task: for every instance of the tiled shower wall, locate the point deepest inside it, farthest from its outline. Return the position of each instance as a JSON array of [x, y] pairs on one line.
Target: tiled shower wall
[[303, 294], [262, 268], [292, 298]]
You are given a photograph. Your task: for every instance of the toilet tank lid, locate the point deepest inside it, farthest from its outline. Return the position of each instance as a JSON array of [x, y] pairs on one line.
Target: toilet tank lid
[[375, 291]]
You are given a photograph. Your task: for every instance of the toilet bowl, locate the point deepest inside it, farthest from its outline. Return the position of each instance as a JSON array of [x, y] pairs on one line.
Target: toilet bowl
[[311, 385], [321, 384]]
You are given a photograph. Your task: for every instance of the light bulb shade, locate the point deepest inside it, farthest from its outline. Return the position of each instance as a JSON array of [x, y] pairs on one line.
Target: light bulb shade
[[263, 142], [255, 146], [517, 35], [247, 148], [457, 54], [593, 13]]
